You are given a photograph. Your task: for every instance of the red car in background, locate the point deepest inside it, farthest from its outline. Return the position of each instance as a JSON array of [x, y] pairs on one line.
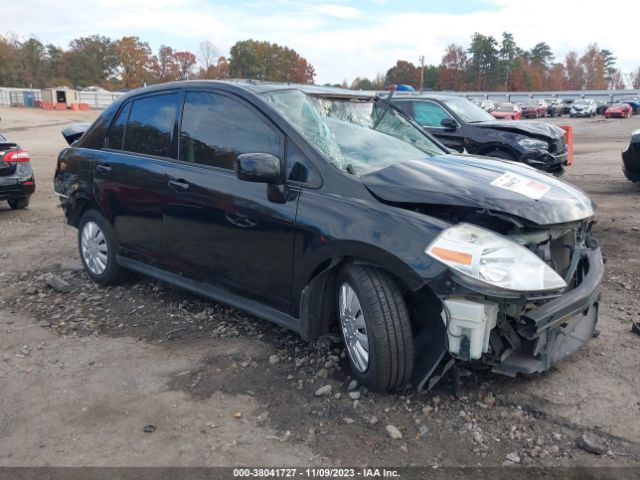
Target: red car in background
[[507, 111], [534, 108], [620, 110]]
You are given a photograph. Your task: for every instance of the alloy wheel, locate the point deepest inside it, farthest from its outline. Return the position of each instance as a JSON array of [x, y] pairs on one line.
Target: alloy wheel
[[354, 327]]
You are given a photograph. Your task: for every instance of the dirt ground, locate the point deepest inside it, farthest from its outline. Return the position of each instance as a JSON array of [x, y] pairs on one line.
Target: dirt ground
[[83, 373]]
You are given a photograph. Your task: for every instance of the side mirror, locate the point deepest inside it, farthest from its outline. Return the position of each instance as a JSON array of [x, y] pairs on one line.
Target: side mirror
[[259, 168], [449, 123]]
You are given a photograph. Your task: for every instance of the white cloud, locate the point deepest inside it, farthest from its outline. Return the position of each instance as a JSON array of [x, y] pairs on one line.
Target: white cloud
[[341, 41]]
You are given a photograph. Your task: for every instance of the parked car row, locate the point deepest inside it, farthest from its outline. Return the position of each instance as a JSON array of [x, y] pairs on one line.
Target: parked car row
[[552, 107]]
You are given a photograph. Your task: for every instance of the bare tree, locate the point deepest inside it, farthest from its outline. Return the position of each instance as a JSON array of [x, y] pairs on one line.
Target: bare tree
[[208, 54]]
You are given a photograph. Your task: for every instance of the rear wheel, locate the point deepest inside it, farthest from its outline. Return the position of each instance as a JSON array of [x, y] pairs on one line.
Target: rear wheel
[[376, 327], [18, 203], [97, 246]]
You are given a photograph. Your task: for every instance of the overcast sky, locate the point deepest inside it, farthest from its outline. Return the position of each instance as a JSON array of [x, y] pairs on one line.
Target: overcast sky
[[342, 39]]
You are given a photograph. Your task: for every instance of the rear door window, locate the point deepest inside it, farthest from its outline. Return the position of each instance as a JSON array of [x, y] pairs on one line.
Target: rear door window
[[217, 128], [116, 133], [150, 126]]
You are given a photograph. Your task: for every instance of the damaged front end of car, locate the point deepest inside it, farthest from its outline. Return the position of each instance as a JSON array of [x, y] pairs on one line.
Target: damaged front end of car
[[519, 286], [515, 330]]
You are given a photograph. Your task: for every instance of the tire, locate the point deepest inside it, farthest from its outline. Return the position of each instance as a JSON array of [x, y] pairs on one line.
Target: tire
[[18, 203], [106, 271], [500, 154], [387, 327]]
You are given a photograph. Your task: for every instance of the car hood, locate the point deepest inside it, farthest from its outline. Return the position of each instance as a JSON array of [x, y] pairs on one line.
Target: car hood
[[524, 127], [466, 181]]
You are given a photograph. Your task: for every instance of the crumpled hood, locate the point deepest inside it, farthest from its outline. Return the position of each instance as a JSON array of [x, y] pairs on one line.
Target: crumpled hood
[[466, 181], [524, 127]]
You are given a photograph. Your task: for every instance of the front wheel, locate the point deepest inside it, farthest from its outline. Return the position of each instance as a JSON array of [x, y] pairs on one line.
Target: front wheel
[[18, 203], [97, 245], [376, 327]]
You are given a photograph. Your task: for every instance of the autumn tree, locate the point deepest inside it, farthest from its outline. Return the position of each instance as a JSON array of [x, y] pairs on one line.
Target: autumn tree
[[404, 72], [575, 74], [186, 61], [593, 66], [557, 77], [269, 61], [165, 68], [216, 71], [452, 69], [134, 58]]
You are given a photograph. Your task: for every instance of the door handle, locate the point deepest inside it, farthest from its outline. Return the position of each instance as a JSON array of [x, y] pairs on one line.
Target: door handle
[[103, 168], [179, 184]]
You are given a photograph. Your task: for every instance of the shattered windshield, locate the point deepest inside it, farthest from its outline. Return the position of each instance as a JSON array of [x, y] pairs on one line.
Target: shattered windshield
[[356, 136]]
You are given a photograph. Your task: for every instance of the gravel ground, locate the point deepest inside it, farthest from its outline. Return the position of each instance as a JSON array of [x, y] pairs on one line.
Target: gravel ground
[[145, 374]]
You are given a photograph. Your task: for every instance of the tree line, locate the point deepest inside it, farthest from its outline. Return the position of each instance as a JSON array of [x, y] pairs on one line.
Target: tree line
[[489, 64], [129, 62]]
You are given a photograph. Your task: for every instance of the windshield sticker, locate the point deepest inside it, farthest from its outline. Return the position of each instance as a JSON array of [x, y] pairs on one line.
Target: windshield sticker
[[522, 185]]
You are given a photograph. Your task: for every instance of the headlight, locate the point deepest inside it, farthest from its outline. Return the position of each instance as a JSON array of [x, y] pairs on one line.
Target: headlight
[[493, 260], [533, 143]]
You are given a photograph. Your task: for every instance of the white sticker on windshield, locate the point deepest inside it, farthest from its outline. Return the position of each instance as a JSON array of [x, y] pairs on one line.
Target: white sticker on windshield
[[522, 185]]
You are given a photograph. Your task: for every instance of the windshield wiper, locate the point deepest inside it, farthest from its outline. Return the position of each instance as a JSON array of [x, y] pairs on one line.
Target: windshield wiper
[[385, 109]]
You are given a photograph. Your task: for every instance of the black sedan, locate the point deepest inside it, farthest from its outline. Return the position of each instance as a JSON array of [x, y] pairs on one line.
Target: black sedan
[[631, 158], [17, 182], [321, 208], [463, 126]]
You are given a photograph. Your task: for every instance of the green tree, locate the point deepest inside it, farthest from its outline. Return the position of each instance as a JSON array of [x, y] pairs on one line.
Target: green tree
[[92, 60], [541, 55], [483, 61], [430, 77]]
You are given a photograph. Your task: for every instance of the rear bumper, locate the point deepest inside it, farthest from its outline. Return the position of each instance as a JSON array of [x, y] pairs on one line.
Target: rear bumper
[[10, 188], [558, 328]]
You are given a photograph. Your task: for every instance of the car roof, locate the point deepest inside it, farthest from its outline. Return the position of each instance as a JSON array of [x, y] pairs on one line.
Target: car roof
[[258, 87]]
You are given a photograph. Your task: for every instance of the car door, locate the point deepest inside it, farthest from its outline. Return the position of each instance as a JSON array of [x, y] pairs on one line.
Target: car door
[[221, 230], [429, 115], [129, 173]]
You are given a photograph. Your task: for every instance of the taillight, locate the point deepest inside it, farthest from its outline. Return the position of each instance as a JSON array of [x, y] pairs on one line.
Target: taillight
[[16, 156]]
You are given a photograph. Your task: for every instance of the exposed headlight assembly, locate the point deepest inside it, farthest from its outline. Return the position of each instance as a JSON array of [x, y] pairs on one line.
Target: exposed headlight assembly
[[533, 143], [487, 259]]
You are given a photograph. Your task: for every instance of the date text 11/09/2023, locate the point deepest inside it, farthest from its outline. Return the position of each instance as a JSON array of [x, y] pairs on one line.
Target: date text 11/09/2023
[[320, 472]]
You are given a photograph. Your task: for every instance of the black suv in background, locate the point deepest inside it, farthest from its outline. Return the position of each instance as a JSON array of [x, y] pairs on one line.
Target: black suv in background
[[315, 208], [17, 182], [463, 126], [631, 158]]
